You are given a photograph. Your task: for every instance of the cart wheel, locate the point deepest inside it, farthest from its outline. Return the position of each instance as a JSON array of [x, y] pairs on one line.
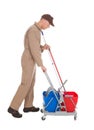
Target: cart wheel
[[41, 110], [75, 117], [43, 118]]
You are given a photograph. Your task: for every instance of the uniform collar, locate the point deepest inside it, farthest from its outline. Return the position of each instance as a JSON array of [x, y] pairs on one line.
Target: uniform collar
[[38, 28]]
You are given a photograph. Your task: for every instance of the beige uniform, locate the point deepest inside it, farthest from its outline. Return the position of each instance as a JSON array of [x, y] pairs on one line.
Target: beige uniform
[[31, 56]]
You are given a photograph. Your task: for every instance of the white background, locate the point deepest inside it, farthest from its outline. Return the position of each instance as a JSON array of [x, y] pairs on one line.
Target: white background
[[71, 41]]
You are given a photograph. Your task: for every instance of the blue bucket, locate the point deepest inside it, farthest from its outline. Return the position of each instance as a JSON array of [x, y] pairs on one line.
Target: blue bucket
[[51, 101]]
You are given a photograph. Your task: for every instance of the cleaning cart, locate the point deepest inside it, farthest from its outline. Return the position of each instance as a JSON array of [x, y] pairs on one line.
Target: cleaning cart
[[58, 102]]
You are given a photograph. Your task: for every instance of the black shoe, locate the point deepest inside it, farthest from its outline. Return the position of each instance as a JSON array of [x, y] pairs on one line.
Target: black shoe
[[14, 113], [31, 109]]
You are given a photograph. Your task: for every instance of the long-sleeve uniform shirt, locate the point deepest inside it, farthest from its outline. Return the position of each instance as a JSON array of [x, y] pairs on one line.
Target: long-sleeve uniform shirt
[[32, 47]]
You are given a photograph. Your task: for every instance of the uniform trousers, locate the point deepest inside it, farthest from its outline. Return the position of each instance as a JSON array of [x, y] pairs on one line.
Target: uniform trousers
[[25, 91]]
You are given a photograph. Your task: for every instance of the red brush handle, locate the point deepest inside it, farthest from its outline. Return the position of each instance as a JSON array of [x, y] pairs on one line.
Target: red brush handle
[[55, 65], [57, 70]]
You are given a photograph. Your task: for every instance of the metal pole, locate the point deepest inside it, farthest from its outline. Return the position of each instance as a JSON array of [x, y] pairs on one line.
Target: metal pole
[[48, 78]]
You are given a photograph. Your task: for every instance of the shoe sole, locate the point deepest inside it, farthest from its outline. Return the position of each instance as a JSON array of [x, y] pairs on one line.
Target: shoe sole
[[30, 111]]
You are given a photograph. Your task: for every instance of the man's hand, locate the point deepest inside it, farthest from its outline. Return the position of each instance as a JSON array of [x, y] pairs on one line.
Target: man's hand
[[43, 68], [46, 47]]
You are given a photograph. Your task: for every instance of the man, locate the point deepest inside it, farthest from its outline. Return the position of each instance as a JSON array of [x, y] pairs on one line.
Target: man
[[30, 57]]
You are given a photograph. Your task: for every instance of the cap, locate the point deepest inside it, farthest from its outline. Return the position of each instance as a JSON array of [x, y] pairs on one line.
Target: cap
[[48, 17]]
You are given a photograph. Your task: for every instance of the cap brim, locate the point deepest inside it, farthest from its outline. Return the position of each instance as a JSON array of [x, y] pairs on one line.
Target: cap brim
[[52, 24]]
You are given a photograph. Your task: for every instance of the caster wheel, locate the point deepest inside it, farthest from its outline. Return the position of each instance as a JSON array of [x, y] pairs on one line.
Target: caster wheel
[[75, 117], [43, 118], [41, 110]]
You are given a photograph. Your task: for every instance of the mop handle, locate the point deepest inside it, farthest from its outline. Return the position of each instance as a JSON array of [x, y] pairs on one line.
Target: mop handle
[[56, 68]]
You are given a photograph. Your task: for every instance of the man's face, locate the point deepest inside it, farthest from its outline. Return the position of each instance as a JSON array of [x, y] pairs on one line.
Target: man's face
[[45, 24]]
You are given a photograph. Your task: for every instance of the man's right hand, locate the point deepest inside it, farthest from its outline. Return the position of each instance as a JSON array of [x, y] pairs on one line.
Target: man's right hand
[[43, 68]]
